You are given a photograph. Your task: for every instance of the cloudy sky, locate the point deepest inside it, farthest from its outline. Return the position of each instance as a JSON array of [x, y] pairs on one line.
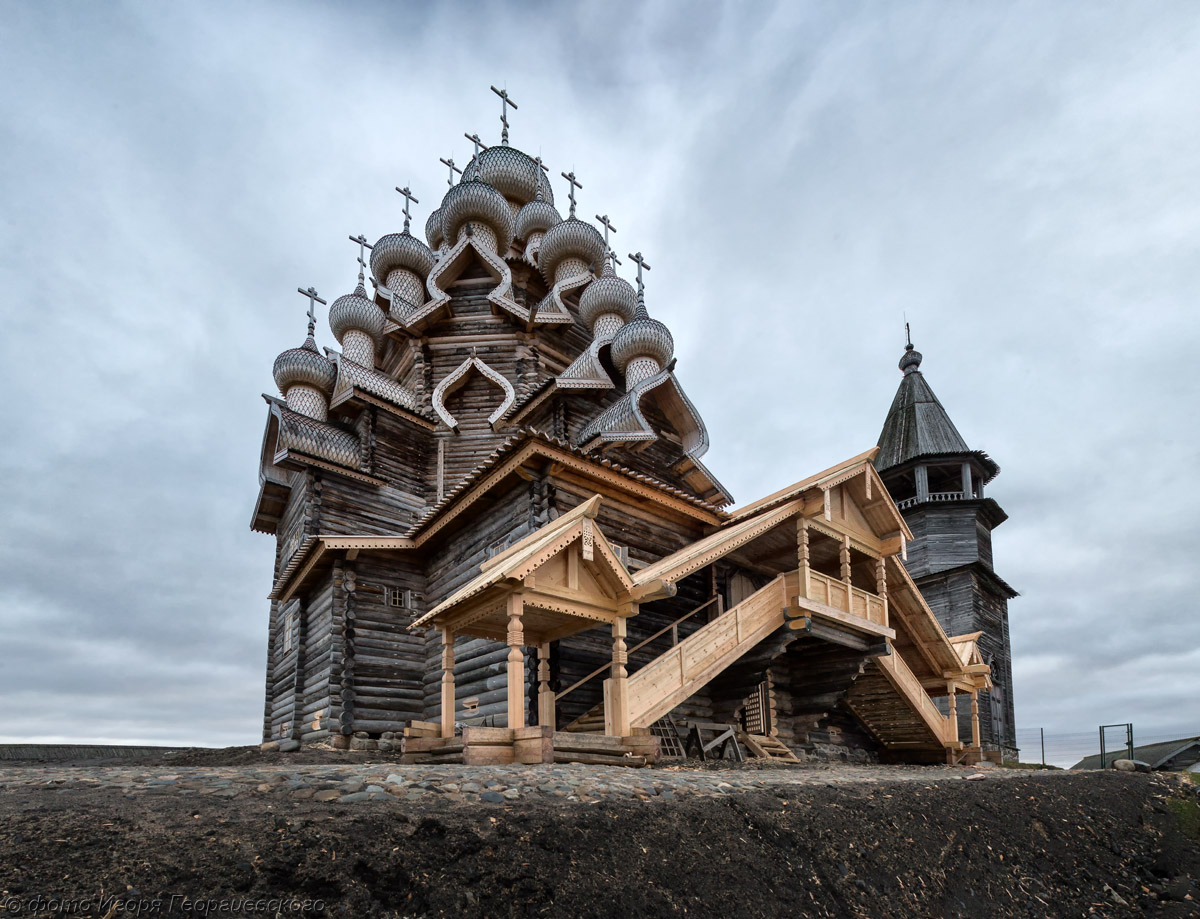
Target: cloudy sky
[[1020, 180]]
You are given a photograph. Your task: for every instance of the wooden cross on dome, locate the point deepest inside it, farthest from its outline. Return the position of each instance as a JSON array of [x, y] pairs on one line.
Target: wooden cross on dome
[[608, 227], [408, 198], [570, 177], [505, 102], [479, 144], [453, 169], [313, 299], [641, 263], [363, 244]]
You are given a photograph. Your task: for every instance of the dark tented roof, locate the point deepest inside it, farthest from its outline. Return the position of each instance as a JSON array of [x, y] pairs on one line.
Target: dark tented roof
[[916, 425]]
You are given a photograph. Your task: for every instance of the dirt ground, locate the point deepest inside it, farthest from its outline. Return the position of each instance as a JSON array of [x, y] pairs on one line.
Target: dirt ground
[[1036, 845]]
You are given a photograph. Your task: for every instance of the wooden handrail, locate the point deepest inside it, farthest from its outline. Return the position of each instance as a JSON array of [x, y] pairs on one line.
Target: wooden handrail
[[641, 644]]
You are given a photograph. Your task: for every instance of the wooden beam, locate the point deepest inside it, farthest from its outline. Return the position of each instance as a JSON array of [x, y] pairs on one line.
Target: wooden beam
[[516, 662]]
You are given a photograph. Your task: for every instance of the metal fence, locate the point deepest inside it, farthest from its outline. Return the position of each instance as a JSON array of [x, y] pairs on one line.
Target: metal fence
[[1065, 749]]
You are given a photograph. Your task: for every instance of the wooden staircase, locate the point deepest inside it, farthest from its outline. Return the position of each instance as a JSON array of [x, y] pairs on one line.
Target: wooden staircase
[[686, 668], [768, 747], [891, 703]]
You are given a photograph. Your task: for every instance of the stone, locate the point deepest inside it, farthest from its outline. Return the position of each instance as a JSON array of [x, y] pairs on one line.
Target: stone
[[290, 745], [357, 798], [271, 746], [363, 743], [327, 794], [492, 797], [386, 746]]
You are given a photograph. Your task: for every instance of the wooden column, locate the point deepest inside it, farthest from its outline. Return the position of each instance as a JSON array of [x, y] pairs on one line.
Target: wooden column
[[975, 719], [844, 553], [447, 682], [921, 474], [953, 711], [966, 480], [516, 662], [616, 688], [881, 585], [802, 554], [545, 695]]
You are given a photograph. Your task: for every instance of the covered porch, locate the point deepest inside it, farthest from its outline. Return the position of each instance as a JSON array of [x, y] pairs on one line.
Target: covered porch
[[562, 580]]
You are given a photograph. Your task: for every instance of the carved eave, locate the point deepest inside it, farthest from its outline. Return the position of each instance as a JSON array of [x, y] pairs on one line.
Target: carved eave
[[553, 309], [624, 420], [296, 441], [368, 386], [449, 268], [458, 376], [274, 481], [567, 574], [586, 371], [697, 477]]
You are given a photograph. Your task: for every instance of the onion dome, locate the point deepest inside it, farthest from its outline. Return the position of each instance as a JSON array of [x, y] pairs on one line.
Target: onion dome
[[572, 239], [644, 341], [608, 295], [536, 217], [475, 202], [401, 250], [357, 323], [433, 230], [911, 360], [305, 366], [511, 172]]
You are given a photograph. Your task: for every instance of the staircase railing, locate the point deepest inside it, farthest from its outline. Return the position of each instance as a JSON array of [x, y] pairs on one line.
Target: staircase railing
[[673, 628], [906, 681]]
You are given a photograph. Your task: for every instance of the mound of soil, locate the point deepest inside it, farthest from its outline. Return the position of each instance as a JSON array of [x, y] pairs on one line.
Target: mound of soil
[[1093, 844]]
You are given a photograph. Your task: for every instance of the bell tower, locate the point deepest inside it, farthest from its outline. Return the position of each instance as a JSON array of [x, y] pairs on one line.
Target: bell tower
[[938, 484]]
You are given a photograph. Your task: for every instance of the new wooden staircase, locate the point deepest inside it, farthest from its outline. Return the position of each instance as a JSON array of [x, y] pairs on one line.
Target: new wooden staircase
[[686, 668]]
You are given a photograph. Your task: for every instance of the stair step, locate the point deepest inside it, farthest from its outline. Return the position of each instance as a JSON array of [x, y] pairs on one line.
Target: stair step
[[765, 747]]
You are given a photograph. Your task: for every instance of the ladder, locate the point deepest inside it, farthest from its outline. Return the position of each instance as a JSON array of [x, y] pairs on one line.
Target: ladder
[[669, 744], [768, 747]]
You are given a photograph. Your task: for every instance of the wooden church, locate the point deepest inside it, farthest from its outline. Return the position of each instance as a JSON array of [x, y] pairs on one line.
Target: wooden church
[[496, 537]]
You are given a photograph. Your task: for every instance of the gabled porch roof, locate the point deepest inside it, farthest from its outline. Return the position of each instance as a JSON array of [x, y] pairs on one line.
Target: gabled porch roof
[[568, 576]]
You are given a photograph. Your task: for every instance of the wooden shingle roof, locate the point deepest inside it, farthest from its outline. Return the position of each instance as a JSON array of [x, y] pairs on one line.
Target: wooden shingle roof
[[916, 425]]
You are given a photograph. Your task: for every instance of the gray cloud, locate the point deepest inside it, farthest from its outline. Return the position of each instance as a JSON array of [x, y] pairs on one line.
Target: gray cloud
[[1018, 179]]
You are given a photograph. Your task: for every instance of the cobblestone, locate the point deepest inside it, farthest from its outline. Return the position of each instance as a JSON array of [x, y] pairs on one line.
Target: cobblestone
[[362, 783]]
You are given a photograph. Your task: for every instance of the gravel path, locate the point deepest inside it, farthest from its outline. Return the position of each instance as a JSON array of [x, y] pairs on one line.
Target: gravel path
[[363, 783]]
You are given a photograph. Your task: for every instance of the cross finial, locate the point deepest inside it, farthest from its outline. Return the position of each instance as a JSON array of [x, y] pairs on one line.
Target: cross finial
[[505, 102], [453, 169], [409, 198], [570, 177], [479, 144], [641, 263], [313, 300], [908, 345], [608, 227], [362, 244]]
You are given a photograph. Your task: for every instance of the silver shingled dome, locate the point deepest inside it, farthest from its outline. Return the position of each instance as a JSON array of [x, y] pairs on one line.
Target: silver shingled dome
[[400, 250], [355, 311], [644, 337], [536, 216], [511, 172], [468, 201], [570, 239], [305, 365], [433, 229], [607, 294]]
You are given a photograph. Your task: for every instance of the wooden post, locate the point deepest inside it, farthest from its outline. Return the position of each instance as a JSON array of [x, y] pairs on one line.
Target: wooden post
[[802, 554], [447, 682], [516, 662], [881, 585], [966, 481], [953, 711], [844, 553], [616, 693], [545, 696], [921, 474], [975, 719]]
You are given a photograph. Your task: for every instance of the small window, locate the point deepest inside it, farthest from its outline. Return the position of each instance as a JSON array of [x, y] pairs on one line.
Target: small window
[[499, 546], [396, 597], [289, 633]]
